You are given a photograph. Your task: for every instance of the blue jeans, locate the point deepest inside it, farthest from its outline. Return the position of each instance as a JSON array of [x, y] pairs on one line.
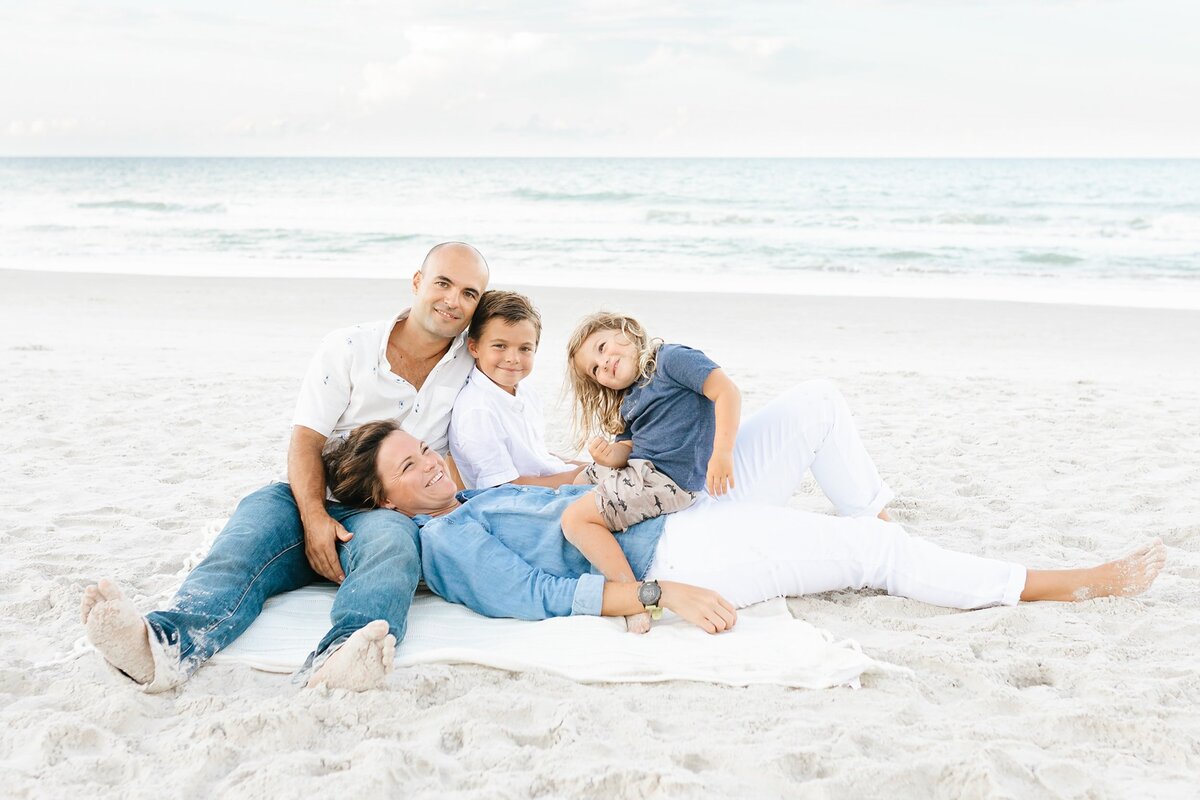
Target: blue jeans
[[260, 553]]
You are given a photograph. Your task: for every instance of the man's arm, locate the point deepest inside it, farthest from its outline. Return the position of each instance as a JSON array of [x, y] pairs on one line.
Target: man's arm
[[306, 475]]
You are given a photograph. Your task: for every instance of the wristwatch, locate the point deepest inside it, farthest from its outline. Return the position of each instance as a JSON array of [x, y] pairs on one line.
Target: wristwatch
[[649, 593]]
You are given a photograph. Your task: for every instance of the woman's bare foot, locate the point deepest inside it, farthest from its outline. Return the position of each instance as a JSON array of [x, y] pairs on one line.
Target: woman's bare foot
[[117, 630], [638, 623], [1129, 575], [361, 663]]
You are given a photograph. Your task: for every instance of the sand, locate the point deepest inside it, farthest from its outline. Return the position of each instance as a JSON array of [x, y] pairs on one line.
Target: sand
[[137, 409]]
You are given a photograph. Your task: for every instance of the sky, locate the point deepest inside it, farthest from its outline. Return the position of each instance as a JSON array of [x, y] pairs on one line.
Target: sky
[[926, 78]]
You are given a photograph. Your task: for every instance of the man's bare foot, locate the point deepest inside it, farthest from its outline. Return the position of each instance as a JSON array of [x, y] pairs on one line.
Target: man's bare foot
[[361, 663], [1129, 575], [117, 630], [638, 623]]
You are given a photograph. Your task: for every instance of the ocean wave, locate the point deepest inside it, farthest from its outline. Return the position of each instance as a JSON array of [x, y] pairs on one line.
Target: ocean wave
[[155, 206], [1057, 259], [387, 238], [962, 218], [573, 197], [905, 255], [660, 216], [911, 270]]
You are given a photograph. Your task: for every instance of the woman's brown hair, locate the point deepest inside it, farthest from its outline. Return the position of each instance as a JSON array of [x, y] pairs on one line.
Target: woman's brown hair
[[350, 469]]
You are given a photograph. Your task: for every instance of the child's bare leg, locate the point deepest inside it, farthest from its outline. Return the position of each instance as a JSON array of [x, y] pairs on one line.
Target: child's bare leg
[[585, 528], [1129, 575]]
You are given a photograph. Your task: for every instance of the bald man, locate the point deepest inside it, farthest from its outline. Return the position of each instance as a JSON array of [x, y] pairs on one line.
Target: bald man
[[408, 368]]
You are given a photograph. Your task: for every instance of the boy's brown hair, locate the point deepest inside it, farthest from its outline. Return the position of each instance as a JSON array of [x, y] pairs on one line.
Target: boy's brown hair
[[512, 307]]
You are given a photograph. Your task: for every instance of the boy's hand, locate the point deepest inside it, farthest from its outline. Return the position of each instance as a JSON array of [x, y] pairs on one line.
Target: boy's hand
[[608, 454], [720, 473]]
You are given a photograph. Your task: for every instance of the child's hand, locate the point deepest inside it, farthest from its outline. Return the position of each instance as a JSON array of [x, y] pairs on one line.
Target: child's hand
[[720, 473], [608, 454]]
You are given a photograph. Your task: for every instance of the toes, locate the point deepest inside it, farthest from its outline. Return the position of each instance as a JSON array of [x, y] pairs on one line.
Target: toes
[[389, 653], [109, 591], [375, 630], [87, 603]]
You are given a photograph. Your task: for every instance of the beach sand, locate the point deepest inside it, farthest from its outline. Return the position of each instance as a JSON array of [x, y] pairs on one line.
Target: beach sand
[[137, 409]]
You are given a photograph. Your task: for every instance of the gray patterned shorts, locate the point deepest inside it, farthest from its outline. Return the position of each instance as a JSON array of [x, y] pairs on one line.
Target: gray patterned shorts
[[635, 493]]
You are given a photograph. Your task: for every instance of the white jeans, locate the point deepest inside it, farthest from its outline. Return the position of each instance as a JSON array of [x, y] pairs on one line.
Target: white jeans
[[749, 546]]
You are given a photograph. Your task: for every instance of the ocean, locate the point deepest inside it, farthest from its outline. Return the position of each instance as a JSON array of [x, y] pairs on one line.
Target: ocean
[[1124, 232]]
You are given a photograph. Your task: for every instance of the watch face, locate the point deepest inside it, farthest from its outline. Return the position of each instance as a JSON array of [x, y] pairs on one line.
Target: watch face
[[649, 593]]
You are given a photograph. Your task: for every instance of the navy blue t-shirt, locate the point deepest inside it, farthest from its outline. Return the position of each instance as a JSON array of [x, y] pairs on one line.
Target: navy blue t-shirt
[[671, 422]]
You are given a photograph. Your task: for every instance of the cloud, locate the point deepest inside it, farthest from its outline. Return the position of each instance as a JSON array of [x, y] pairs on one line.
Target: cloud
[[555, 128], [42, 127], [434, 52], [758, 46]]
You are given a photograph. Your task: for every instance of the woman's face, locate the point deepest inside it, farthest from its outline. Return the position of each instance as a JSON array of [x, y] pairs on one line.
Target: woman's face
[[415, 478]]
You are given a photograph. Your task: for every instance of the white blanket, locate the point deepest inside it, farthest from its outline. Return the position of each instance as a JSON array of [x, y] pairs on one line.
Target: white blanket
[[767, 646]]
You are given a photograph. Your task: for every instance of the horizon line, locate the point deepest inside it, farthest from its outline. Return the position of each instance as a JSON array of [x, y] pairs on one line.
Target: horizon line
[[612, 157]]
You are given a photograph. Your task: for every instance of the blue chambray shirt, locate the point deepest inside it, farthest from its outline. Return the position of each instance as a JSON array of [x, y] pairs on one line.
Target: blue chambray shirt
[[502, 553]]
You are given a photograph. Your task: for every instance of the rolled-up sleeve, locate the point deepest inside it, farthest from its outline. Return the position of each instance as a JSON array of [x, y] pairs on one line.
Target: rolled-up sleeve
[[464, 563], [589, 595]]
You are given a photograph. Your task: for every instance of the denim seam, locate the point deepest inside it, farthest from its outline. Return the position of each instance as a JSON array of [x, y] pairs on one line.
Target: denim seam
[[249, 586]]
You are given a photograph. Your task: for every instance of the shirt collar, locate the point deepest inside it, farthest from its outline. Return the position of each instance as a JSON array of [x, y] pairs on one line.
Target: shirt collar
[[462, 498], [483, 381]]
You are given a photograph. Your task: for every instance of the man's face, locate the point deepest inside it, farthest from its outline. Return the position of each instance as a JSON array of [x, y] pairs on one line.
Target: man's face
[[447, 291], [414, 477]]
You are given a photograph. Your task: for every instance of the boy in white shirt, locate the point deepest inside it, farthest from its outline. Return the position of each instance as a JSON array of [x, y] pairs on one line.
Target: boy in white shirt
[[496, 428]]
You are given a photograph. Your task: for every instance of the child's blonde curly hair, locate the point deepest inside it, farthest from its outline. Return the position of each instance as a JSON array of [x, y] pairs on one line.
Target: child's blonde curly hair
[[596, 407]]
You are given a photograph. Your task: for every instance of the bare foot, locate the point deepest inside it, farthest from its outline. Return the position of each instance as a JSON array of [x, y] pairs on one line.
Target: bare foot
[[638, 623], [1129, 575], [117, 630], [362, 662]]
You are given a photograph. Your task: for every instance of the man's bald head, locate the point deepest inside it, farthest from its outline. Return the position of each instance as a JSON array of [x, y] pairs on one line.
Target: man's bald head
[[459, 253], [447, 288]]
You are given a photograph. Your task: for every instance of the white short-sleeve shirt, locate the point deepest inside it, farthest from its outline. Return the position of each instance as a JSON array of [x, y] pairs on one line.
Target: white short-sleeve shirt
[[496, 437], [349, 383]]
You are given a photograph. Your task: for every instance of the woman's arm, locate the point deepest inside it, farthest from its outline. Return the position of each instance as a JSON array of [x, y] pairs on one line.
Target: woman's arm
[[464, 563], [727, 406], [701, 607]]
